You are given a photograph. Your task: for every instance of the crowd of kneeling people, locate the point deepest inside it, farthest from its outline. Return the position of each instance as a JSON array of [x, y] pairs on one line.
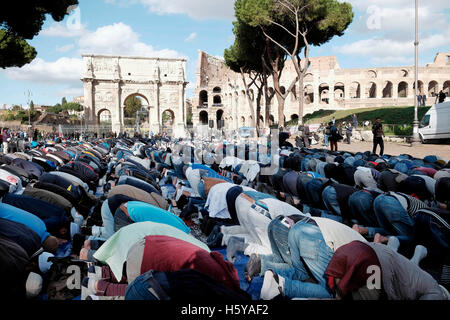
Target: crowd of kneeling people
[[144, 219]]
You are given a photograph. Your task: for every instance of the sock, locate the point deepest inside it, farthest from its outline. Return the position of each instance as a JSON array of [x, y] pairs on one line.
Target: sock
[[393, 243], [420, 253], [272, 285], [235, 245]]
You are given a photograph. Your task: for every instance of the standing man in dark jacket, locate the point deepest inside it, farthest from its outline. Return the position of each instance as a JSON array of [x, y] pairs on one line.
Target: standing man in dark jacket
[[378, 135]]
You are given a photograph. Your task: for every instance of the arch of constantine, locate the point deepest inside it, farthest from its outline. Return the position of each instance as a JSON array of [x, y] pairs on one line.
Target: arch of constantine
[[110, 80], [220, 92]]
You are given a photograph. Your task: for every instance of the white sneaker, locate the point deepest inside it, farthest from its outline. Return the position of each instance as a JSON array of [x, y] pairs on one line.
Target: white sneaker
[[273, 285]]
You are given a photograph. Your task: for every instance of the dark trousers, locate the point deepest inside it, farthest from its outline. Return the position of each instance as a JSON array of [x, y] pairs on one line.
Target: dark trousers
[[378, 141], [333, 145]]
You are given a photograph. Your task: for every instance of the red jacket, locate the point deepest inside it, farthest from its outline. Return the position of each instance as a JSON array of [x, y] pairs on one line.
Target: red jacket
[[163, 253]]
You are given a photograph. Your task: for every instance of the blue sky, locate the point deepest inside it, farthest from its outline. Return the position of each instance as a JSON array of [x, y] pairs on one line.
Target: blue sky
[[382, 34]]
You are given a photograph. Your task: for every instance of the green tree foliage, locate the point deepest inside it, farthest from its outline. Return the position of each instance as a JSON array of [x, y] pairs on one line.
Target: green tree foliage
[[16, 108], [57, 108], [14, 51], [132, 105], [22, 20], [31, 105], [167, 118], [295, 25], [63, 101]]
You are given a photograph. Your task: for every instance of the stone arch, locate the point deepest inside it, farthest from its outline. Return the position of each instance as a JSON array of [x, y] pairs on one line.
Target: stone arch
[[203, 116], [261, 119], [203, 98], [387, 90], [420, 85], [167, 118], [242, 121], [271, 119], [104, 122], [433, 88], [404, 73], [309, 94], [309, 77], [355, 90], [140, 95], [282, 90], [107, 118], [217, 90], [294, 117], [403, 89], [324, 93], [217, 100], [372, 90], [372, 74], [339, 91], [145, 102], [252, 94], [219, 117], [446, 88]]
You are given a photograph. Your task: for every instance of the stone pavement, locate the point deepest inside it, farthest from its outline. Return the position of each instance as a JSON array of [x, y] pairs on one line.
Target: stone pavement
[[395, 149]]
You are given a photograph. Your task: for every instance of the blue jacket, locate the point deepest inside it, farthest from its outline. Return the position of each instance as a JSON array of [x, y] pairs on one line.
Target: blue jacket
[[9, 212]]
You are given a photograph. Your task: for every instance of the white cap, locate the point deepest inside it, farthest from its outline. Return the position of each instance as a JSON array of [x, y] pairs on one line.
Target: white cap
[[33, 285], [44, 264]]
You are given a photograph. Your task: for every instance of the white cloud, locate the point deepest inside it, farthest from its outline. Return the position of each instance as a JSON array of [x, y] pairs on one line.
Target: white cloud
[[120, 39], [191, 37], [383, 50], [65, 48], [387, 28], [117, 39], [62, 71], [70, 92], [61, 30], [196, 9]]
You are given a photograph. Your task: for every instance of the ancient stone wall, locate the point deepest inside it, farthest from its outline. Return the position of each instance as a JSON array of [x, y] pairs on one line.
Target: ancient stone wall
[[326, 86]]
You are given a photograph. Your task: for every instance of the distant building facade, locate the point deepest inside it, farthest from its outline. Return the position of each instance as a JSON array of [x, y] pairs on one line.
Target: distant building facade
[[220, 92]]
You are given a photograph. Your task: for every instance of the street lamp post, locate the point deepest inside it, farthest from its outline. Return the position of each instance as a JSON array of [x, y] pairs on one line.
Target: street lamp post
[[415, 138]]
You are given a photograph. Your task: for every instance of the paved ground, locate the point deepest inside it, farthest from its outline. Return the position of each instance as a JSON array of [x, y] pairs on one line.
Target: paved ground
[[391, 148]]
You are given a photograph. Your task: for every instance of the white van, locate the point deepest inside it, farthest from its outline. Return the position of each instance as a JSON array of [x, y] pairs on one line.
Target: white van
[[436, 123]]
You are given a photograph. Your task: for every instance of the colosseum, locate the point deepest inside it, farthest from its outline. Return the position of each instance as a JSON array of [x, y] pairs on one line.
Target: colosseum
[[220, 93]]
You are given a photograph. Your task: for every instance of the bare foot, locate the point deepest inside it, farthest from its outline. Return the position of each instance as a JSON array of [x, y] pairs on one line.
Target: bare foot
[[360, 230], [87, 245], [84, 254], [380, 239]]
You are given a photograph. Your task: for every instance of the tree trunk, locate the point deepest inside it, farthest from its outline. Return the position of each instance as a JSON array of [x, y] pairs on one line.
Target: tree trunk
[[250, 102], [276, 84], [301, 98]]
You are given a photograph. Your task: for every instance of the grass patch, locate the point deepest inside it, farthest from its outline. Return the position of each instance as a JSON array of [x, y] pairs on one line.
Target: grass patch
[[389, 115]]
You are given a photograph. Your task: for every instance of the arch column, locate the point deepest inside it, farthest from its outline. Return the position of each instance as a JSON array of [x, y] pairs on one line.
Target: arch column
[[379, 90], [331, 96], [395, 90], [316, 89], [155, 114], [117, 115], [180, 124]]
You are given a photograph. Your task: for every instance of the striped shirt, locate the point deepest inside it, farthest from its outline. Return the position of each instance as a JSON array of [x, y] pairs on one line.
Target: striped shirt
[[409, 203]]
